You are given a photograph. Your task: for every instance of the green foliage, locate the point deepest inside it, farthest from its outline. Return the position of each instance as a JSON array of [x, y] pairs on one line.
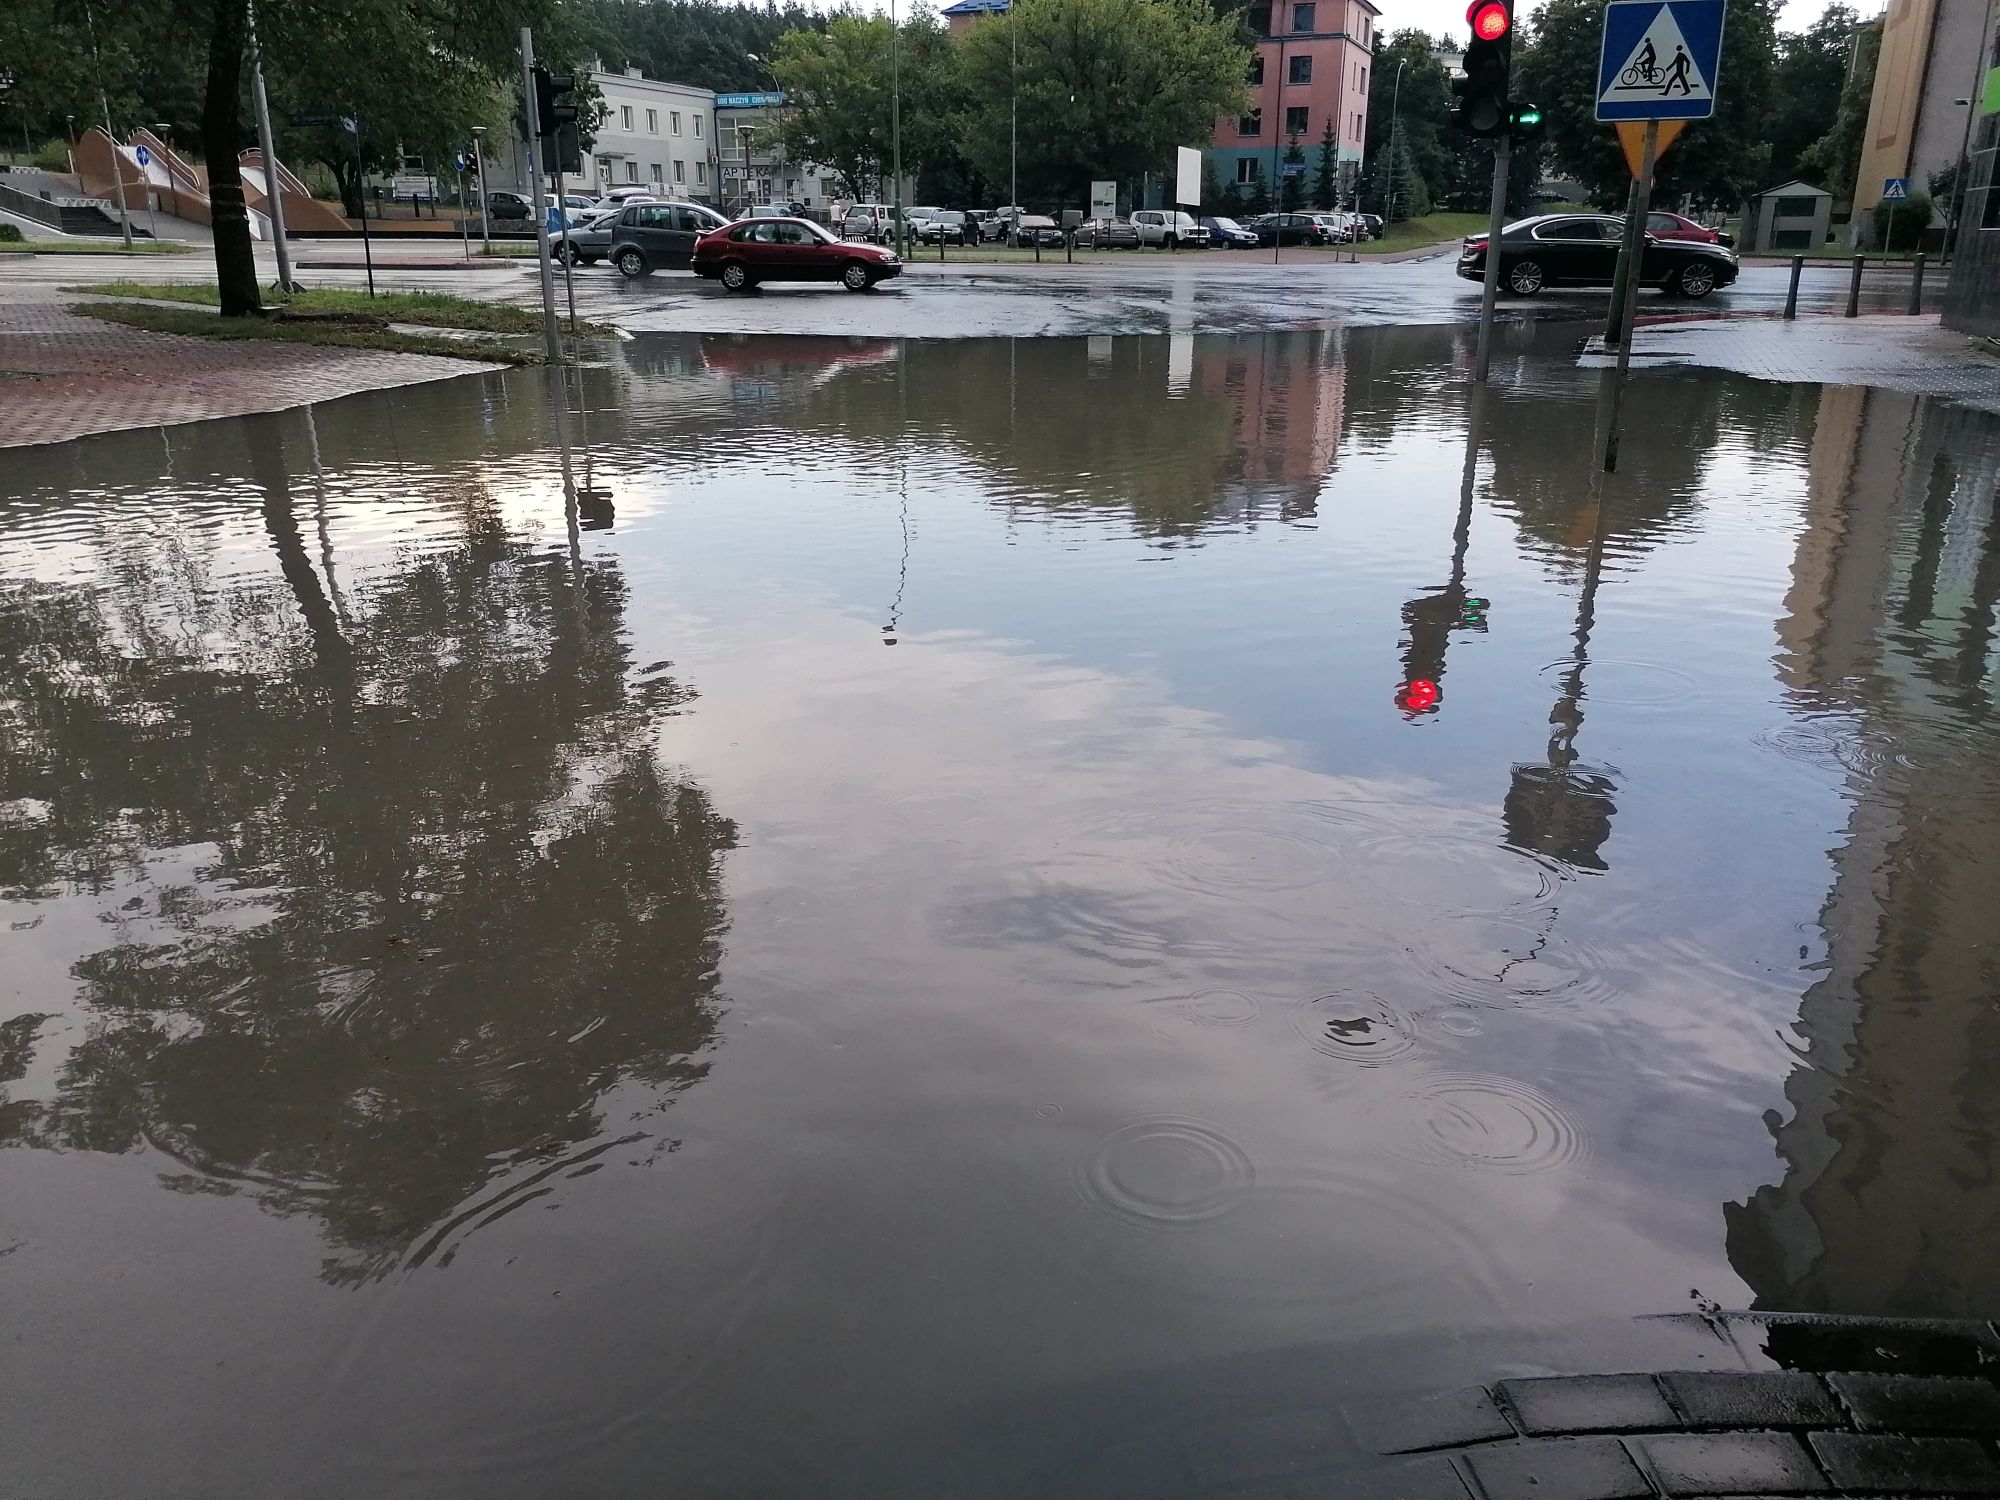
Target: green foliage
[[1326, 177], [1834, 160], [1716, 161], [1215, 199], [11, 235], [53, 156], [1902, 224], [1292, 184], [1807, 77], [1416, 113], [1256, 201], [837, 89], [1107, 88], [693, 41]]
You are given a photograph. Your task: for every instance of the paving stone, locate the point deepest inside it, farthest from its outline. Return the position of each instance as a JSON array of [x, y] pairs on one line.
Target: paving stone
[[1432, 1477], [1765, 1398], [1591, 1468], [1906, 1403], [1732, 1463], [1902, 1465], [66, 376], [1449, 1420], [1589, 1403]]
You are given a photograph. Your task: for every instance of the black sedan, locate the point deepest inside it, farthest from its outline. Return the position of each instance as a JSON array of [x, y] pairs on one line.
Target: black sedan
[[1582, 250], [1294, 229]]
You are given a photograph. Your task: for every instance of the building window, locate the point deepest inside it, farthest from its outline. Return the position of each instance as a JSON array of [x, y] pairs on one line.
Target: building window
[[1248, 169], [625, 118], [674, 121], [657, 177], [1251, 124], [697, 126], [604, 169], [680, 171], [1260, 20], [652, 122], [701, 173], [1256, 74], [631, 171], [1299, 70], [1296, 121], [1361, 79], [1304, 15]]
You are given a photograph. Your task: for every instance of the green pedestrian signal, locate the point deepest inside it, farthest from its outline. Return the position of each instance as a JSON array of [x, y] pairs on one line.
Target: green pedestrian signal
[[1524, 122]]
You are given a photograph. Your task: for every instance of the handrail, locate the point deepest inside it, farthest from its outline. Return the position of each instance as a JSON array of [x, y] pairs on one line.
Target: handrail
[[28, 206]]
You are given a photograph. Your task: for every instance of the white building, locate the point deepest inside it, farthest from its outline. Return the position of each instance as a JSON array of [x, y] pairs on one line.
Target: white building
[[654, 135]]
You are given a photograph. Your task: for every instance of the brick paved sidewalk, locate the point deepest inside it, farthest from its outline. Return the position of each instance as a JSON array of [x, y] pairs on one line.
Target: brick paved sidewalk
[[64, 376], [1895, 353]]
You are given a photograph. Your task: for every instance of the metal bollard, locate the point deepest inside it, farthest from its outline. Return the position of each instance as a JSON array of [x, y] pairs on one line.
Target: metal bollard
[[1854, 288], [1917, 284], [1792, 292]]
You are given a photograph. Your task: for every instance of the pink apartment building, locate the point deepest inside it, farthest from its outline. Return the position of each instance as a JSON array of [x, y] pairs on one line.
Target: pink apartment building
[[1312, 64]]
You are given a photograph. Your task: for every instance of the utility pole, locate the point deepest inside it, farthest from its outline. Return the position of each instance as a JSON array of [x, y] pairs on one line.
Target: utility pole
[[274, 193], [1014, 115], [1395, 130], [104, 103], [531, 116], [1278, 104]]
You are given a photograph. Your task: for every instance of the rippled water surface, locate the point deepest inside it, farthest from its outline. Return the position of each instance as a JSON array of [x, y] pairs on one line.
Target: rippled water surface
[[976, 917]]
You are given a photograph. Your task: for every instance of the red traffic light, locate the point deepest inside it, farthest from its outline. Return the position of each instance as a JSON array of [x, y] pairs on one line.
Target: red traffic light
[[1489, 19]]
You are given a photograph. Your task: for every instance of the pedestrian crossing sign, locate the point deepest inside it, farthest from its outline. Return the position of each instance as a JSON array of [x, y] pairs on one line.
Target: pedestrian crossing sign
[[1895, 189], [1660, 59]]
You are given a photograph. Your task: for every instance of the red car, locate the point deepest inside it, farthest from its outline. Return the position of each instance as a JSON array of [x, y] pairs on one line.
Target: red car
[[1666, 226], [742, 254]]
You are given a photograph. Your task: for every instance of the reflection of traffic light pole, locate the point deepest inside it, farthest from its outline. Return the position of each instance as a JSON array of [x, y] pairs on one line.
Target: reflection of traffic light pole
[[1562, 808], [1430, 618]]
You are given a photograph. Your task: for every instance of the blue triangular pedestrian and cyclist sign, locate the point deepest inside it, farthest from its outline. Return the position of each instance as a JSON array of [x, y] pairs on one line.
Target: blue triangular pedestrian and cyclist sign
[[1660, 59], [1895, 189]]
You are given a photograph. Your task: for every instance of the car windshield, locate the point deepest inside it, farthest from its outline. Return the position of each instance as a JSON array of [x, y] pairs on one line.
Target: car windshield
[[1227, 224], [950, 216]]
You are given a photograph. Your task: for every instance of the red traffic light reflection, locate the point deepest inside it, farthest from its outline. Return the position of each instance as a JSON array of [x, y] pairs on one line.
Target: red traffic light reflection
[[1489, 20], [1418, 696]]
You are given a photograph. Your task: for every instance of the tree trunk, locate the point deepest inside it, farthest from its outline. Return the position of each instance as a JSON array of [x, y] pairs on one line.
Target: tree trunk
[[222, 140]]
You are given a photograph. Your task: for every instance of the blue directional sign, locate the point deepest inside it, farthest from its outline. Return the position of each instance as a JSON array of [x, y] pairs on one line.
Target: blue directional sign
[[144, 156], [1895, 189], [1660, 59]]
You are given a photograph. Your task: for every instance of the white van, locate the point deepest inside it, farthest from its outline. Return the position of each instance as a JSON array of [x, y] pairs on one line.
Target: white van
[[1169, 227]]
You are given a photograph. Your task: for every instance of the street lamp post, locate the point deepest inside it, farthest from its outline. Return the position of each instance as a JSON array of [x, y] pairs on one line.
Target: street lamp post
[[1277, 108], [104, 103], [896, 119], [1395, 129], [166, 133], [69, 129], [485, 217], [1013, 115]]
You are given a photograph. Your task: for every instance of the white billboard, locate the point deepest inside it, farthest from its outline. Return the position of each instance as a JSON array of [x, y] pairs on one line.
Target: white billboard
[[1187, 177], [1104, 200]]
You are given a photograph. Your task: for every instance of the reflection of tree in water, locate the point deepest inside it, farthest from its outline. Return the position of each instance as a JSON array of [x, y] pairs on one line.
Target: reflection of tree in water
[[1060, 424], [445, 895]]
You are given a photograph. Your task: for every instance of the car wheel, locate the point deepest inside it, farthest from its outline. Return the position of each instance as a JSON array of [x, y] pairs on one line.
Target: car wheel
[[854, 276], [1694, 281], [631, 263], [1524, 278], [735, 277]]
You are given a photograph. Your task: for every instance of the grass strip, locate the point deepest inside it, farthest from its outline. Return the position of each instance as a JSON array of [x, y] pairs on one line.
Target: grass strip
[[426, 309], [336, 335]]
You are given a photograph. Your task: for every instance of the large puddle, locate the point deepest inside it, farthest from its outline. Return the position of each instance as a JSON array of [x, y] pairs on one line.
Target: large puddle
[[1003, 918]]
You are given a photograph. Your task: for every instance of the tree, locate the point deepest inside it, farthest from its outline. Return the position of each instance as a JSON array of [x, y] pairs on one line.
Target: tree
[[1214, 198], [1326, 179], [1292, 183], [1716, 161], [837, 95], [722, 47], [1106, 88], [1835, 158], [1416, 114], [1807, 79]]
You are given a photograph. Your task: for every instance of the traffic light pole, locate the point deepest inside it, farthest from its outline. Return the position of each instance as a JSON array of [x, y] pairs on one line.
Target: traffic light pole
[[1489, 292], [551, 339]]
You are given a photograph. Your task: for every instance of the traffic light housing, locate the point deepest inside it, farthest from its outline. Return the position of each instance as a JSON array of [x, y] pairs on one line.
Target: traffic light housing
[[1524, 122], [555, 102], [1480, 98]]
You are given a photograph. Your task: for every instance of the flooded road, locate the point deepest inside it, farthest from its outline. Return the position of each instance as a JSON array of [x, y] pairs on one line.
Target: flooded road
[[989, 917]]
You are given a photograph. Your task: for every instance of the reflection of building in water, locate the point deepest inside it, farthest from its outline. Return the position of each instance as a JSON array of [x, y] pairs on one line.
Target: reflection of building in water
[[1889, 1202], [1286, 394]]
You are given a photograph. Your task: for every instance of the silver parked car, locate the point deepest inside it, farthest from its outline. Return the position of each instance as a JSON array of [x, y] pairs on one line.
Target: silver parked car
[[587, 242], [1107, 234]]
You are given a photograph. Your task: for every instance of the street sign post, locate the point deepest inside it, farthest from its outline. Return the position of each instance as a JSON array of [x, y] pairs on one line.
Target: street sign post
[[1660, 59]]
